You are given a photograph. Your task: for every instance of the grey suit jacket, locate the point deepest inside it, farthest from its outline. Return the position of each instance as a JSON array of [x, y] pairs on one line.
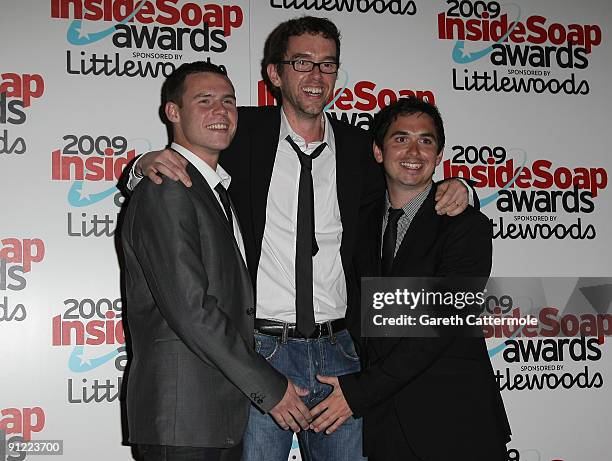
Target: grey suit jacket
[[190, 311]]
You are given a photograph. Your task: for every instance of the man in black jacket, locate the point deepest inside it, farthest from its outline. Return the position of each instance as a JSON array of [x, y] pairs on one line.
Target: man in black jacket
[[421, 398]]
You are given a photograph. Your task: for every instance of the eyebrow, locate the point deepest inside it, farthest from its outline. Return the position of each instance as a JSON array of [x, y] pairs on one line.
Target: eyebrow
[[406, 133], [208, 94], [309, 56]]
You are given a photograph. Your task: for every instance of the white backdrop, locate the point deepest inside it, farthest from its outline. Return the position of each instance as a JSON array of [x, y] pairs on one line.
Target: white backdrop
[[76, 79]]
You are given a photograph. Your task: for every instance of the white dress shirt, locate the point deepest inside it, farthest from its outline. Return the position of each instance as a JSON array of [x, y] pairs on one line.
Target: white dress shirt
[[213, 178], [276, 271]]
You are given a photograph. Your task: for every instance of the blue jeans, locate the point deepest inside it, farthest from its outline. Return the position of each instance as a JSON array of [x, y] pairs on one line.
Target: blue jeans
[[300, 360]]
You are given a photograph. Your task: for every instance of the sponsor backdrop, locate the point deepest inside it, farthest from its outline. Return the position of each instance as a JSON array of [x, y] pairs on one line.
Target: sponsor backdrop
[[524, 88]]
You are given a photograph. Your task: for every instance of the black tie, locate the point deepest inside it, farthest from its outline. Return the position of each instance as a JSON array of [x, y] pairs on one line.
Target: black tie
[[225, 201], [306, 244], [390, 240]]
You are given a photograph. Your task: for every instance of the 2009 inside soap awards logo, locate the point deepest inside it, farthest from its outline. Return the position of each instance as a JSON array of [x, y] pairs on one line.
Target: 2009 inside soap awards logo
[[92, 331], [548, 331], [536, 363], [155, 33], [92, 164], [526, 52], [564, 348], [535, 198]]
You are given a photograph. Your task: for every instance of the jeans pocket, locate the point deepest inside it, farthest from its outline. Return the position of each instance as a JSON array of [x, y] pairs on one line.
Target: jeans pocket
[[346, 346], [266, 346]]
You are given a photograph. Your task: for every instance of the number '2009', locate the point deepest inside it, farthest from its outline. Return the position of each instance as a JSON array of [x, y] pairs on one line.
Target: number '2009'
[[467, 9], [87, 145], [88, 308], [473, 154]]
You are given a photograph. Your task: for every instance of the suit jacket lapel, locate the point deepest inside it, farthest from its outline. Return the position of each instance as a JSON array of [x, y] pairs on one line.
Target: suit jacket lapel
[[419, 237], [376, 221], [348, 180], [264, 144], [202, 189]]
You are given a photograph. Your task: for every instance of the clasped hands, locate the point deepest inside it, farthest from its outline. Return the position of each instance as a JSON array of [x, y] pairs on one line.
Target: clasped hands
[[328, 415]]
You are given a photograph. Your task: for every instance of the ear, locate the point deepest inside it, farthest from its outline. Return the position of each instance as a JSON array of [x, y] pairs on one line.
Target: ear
[[273, 75], [439, 158], [172, 112], [378, 155]]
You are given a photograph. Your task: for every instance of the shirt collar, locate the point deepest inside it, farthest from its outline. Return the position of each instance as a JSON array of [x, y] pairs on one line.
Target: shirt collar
[[413, 205], [328, 134], [211, 176]]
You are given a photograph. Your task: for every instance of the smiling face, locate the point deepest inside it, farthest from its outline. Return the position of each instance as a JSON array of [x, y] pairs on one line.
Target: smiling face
[[305, 93], [409, 154], [205, 121]]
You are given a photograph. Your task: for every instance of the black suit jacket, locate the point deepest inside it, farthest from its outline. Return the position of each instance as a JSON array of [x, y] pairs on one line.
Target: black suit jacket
[[441, 392], [250, 160], [190, 309]]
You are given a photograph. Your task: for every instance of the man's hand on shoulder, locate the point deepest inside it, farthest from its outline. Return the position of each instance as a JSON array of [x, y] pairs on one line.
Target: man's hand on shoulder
[[166, 162], [452, 197], [290, 412]]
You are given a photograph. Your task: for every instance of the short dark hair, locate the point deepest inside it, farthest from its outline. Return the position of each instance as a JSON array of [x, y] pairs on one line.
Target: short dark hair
[[173, 88], [276, 44], [406, 106]]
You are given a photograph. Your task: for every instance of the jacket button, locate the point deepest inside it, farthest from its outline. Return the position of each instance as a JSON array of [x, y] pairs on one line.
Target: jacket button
[[250, 311]]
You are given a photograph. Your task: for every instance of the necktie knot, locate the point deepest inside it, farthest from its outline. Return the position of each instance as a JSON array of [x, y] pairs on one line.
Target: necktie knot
[[222, 191], [306, 160], [394, 215]]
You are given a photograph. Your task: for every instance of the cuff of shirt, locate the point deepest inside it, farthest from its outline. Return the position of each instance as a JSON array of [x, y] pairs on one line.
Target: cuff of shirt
[[463, 181], [134, 179]]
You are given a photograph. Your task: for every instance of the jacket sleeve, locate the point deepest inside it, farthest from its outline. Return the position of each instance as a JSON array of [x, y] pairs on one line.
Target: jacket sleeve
[[476, 203], [466, 252], [166, 240]]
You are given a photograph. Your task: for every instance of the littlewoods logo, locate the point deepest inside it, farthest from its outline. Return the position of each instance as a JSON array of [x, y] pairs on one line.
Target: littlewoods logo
[[397, 7]]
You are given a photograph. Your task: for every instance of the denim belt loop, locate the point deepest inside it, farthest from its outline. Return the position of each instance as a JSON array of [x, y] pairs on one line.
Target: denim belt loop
[[332, 333], [285, 334]]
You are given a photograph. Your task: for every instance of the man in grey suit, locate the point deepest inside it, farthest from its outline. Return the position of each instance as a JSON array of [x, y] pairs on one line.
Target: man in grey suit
[[190, 303]]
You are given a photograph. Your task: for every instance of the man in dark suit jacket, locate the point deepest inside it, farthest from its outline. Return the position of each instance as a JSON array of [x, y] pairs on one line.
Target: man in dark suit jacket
[[190, 301], [421, 398]]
